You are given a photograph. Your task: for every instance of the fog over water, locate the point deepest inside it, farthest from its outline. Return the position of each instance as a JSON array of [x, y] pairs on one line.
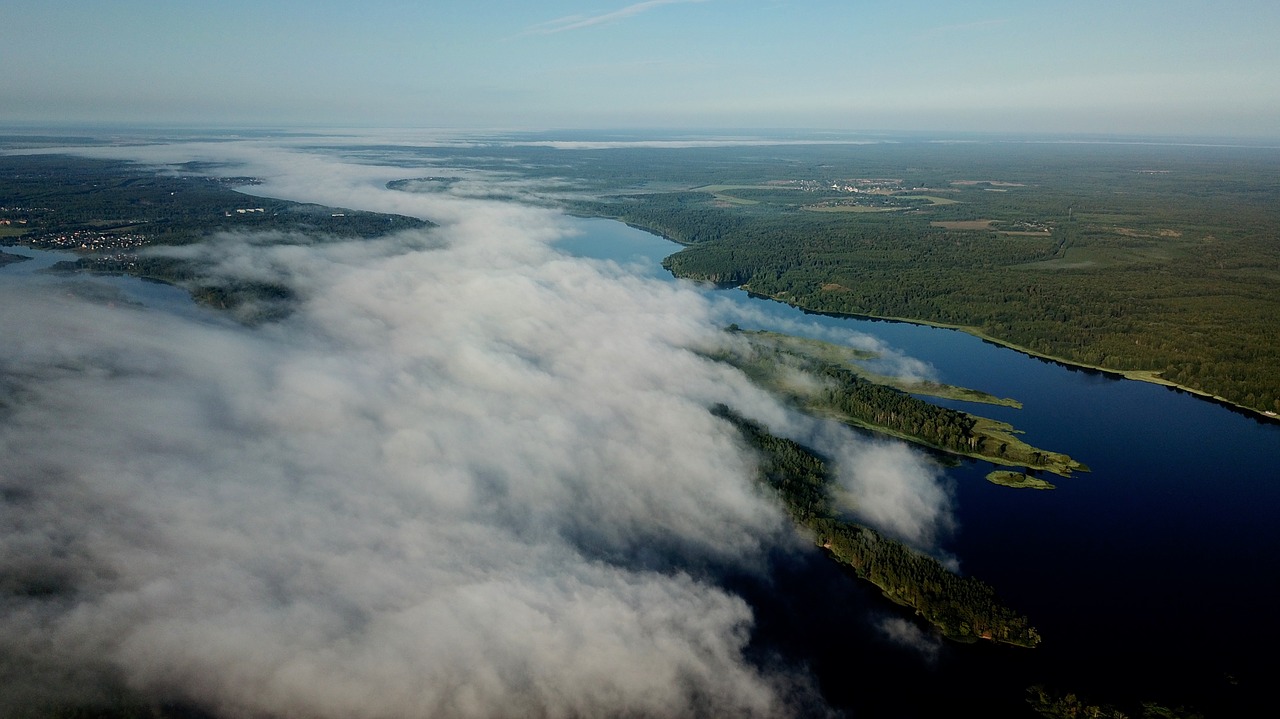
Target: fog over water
[[470, 475]]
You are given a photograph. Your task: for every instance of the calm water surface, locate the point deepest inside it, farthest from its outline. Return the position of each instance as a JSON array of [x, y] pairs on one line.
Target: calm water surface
[[1151, 577]]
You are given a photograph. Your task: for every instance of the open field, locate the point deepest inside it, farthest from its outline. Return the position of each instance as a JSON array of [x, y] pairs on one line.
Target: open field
[[963, 224], [993, 183], [721, 192], [931, 198]]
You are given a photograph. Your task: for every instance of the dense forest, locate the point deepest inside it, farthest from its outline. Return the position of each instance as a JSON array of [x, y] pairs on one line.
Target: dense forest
[[962, 608], [1173, 317]]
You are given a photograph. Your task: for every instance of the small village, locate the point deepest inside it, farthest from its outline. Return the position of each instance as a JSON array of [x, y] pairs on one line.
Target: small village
[[877, 186], [89, 241]]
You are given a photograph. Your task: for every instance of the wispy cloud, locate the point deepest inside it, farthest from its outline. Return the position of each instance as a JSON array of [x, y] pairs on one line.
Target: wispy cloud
[[577, 22], [908, 635], [965, 27]]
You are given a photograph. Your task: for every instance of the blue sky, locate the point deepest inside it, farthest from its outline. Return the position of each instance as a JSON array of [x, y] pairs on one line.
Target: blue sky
[[1173, 67]]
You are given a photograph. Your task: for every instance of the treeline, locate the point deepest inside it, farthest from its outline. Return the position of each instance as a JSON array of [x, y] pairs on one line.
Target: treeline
[[962, 608], [888, 407], [680, 216], [1213, 336]]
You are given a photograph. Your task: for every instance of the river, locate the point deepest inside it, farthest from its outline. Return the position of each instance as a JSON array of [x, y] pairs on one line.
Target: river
[[1151, 577]]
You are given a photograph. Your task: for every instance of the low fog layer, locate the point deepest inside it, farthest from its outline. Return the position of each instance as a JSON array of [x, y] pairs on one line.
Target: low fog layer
[[468, 476]]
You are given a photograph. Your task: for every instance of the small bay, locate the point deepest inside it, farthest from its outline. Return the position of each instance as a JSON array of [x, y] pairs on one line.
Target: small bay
[[127, 288]]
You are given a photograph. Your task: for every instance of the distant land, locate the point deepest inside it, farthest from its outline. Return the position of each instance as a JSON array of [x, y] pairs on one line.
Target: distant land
[[1158, 262], [108, 212]]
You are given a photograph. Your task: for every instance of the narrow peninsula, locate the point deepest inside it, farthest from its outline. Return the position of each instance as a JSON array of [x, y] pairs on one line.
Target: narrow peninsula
[[824, 379], [963, 609]]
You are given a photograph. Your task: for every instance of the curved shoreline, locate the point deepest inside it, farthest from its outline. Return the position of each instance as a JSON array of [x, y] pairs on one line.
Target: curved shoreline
[[1137, 375]]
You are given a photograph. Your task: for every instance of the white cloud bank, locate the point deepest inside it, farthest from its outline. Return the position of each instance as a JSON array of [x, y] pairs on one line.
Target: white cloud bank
[[470, 476]]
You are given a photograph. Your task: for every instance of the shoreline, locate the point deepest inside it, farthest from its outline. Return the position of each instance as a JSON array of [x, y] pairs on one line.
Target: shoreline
[[1149, 376], [930, 446]]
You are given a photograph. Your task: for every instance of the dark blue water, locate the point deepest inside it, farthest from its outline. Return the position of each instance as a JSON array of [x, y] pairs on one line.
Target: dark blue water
[[1152, 578]]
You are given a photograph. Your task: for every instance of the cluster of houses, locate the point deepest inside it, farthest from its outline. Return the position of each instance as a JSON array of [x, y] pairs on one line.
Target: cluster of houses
[[867, 184], [89, 241]]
